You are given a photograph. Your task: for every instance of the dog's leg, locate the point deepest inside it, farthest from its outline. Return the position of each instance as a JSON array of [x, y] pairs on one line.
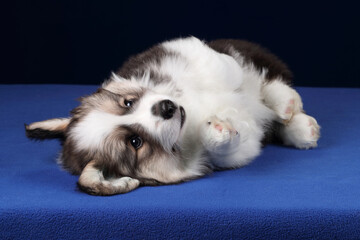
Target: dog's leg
[[302, 132], [297, 129], [231, 140], [283, 99], [92, 181]]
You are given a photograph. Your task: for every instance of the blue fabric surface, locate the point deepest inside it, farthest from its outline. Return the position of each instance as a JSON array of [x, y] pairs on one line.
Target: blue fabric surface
[[284, 193]]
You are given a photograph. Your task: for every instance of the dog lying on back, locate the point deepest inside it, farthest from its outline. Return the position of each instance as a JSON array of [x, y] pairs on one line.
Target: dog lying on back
[[178, 111]]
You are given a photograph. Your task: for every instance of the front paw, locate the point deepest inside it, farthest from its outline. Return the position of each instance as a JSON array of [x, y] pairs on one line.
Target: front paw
[[219, 135]]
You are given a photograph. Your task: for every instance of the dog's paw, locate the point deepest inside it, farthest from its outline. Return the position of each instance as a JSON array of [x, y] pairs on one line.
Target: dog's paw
[[288, 106], [219, 135], [301, 132], [284, 100]]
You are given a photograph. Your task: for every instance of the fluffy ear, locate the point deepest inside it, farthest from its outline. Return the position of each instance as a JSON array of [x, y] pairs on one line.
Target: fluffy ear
[[92, 181], [48, 129]]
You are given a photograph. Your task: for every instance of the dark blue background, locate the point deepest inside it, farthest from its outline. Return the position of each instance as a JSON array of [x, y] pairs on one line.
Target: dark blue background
[[81, 42]]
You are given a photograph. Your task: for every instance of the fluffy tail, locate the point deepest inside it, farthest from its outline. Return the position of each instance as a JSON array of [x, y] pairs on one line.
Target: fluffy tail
[[48, 129]]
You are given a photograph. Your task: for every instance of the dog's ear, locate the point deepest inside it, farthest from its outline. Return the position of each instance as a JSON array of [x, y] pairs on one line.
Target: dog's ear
[[48, 129], [92, 181], [121, 86]]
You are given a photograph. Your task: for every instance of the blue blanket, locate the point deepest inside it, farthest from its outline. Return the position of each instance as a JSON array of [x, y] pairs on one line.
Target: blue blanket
[[285, 193]]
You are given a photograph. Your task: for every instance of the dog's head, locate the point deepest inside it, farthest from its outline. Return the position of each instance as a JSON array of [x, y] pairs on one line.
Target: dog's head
[[121, 136]]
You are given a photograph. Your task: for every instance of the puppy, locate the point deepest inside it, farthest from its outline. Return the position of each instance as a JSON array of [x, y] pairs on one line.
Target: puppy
[[178, 111]]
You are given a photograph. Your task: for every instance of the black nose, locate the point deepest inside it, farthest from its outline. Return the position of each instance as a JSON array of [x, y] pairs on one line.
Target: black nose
[[166, 109]]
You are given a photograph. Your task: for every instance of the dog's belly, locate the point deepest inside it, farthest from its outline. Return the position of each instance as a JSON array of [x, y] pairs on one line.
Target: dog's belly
[[214, 84]]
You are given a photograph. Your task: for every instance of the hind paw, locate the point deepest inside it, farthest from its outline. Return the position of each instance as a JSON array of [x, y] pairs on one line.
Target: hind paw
[[288, 107], [284, 100], [302, 132]]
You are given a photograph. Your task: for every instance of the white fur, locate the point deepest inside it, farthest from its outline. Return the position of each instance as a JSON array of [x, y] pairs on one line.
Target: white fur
[[209, 85], [93, 129], [284, 100], [97, 125], [213, 84], [302, 132], [229, 105], [206, 83]]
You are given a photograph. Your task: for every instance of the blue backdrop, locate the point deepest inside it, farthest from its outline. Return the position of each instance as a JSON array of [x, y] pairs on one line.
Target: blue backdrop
[[81, 42]]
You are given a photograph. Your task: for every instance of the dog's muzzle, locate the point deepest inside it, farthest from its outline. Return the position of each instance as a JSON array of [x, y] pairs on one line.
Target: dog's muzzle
[[166, 109]]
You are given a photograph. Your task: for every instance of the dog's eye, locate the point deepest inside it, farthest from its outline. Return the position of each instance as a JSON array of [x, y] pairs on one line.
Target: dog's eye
[[128, 103], [136, 142]]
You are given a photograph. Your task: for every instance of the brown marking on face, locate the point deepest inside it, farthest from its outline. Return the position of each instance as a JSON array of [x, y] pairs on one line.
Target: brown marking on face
[[124, 88], [120, 158], [105, 101], [116, 157], [74, 160], [150, 163]]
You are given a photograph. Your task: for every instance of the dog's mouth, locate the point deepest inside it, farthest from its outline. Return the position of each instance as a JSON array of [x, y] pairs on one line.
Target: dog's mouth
[[183, 116]]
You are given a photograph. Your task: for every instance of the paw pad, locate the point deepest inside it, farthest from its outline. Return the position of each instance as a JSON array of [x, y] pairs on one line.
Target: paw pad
[[217, 133], [219, 127], [287, 106], [302, 132]]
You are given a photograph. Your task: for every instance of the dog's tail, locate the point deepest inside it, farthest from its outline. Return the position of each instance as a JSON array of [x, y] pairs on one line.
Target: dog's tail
[[48, 129]]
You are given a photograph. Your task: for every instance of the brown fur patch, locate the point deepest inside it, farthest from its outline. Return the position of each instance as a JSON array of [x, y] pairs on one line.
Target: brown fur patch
[[138, 65], [257, 55], [75, 160]]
